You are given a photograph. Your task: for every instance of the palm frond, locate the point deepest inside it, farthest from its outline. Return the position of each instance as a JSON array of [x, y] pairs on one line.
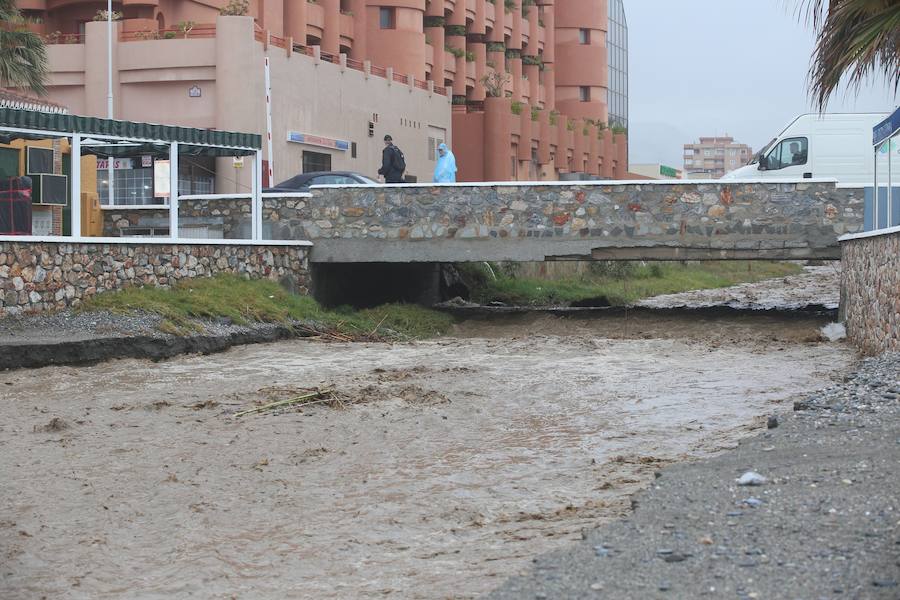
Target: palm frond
[[23, 56], [854, 39]]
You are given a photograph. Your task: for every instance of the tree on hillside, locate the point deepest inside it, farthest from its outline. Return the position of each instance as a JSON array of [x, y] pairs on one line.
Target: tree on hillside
[[855, 38], [23, 57]]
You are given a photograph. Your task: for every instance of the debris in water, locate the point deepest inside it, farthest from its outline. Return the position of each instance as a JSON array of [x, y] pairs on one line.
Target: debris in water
[[772, 422], [55, 424], [751, 478], [288, 402], [834, 332], [205, 404]]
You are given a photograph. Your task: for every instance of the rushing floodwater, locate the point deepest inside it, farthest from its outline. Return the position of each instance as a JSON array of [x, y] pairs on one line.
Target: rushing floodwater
[[462, 459]]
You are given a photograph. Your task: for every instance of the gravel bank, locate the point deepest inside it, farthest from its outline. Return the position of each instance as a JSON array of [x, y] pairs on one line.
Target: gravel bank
[[826, 524]]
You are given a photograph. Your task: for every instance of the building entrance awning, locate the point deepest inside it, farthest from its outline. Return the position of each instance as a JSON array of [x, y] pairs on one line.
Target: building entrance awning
[[202, 142]]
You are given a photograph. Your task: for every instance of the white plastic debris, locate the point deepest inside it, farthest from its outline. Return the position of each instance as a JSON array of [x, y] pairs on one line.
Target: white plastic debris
[[834, 331], [751, 478]]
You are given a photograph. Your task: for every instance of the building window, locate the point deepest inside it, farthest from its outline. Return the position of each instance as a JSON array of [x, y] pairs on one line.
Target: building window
[[707, 152], [196, 175], [386, 14], [316, 161], [130, 185], [584, 93], [584, 36]]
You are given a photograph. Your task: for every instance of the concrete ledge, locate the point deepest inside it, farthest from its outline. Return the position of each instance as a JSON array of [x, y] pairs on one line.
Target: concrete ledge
[[541, 249]]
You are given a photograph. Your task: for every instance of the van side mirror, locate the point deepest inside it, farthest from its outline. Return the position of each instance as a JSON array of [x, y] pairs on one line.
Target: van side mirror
[[763, 162]]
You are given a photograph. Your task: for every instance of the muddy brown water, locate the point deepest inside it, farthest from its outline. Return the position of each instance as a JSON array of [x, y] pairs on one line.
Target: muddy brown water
[[451, 465]]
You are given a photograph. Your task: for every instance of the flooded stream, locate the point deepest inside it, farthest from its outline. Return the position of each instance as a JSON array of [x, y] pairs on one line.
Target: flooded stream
[[456, 462]]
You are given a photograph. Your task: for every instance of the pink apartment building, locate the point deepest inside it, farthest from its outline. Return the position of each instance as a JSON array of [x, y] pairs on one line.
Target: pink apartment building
[[345, 72]]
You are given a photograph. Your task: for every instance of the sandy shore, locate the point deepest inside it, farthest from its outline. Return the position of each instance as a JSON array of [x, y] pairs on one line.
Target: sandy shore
[[825, 524]]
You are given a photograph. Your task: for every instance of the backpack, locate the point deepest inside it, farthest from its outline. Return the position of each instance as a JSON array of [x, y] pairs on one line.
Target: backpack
[[399, 160]]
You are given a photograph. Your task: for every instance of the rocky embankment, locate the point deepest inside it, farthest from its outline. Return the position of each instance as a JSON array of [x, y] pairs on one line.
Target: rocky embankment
[[824, 524]]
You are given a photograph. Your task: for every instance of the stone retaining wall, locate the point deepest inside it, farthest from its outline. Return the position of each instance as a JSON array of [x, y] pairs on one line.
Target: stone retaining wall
[[870, 292], [43, 276]]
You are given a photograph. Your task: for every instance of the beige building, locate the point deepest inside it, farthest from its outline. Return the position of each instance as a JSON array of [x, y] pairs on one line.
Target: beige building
[[555, 101], [325, 115], [655, 171], [712, 157]]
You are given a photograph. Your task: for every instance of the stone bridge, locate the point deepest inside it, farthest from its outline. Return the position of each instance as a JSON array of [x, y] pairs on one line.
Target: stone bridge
[[609, 220], [580, 221]]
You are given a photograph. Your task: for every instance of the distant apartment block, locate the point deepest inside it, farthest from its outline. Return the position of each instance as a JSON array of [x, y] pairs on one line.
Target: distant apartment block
[[712, 157]]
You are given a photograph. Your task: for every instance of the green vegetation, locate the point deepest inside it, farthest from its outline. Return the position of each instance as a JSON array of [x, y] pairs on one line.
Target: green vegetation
[[23, 56], [236, 8], [618, 282], [246, 301], [457, 52]]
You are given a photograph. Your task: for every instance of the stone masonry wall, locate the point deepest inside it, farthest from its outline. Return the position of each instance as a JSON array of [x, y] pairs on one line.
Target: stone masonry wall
[[792, 219], [870, 292], [43, 276], [534, 222]]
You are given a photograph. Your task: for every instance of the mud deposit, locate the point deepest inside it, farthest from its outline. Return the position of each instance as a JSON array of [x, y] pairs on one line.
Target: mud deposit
[[445, 467]]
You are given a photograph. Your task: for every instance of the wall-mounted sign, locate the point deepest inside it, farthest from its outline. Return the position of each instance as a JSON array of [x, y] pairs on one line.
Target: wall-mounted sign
[[162, 179], [317, 140], [667, 171], [195, 91], [237, 161], [118, 164], [146, 161]]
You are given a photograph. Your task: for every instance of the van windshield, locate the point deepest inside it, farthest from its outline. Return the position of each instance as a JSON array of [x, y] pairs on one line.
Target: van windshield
[[762, 151]]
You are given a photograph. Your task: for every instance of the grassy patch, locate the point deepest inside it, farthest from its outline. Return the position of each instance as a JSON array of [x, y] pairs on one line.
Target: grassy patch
[[246, 301], [617, 282]]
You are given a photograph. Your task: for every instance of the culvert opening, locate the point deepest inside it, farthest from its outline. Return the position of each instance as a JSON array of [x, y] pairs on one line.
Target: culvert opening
[[364, 285]]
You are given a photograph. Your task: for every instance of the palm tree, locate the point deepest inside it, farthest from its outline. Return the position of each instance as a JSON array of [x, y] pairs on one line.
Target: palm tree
[[23, 57], [855, 38]]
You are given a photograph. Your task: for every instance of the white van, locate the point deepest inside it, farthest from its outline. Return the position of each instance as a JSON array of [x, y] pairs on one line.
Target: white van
[[835, 145]]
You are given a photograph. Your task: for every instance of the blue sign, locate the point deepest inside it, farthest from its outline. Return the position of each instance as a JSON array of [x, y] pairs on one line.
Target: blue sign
[[886, 128], [317, 140]]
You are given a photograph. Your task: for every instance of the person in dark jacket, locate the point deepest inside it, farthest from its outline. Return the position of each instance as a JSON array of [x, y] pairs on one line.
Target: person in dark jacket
[[393, 163]]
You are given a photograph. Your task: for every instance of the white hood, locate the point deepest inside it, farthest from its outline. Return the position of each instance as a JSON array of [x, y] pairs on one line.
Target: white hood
[[745, 172]]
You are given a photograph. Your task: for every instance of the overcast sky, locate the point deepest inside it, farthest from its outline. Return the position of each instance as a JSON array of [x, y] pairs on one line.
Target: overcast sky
[[707, 67]]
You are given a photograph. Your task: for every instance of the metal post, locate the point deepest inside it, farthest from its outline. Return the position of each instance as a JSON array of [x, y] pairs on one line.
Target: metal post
[[890, 190], [256, 190], [271, 169], [110, 172], [75, 150], [173, 191], [875, 192]]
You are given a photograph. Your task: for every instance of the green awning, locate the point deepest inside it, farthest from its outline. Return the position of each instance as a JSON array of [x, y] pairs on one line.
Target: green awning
[[206, 142]]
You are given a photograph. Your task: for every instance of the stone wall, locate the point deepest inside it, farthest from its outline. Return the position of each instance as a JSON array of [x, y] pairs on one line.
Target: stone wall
[[229, 219], [535, 222], [870, 292], [43, 276]]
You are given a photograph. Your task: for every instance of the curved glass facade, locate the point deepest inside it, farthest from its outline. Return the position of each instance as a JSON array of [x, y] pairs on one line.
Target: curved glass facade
[[617, 49]]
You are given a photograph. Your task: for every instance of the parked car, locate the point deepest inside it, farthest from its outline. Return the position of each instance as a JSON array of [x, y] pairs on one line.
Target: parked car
[[301, 182]]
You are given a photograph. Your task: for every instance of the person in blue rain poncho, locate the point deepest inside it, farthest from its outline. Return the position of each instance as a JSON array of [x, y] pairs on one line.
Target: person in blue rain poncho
[[445, 169]]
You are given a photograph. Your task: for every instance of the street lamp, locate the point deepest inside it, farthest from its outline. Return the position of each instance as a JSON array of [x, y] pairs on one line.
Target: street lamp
[[109, 94]]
